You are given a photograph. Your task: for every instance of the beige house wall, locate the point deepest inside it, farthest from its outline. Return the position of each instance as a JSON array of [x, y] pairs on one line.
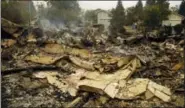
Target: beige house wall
[[103, 18], [173, 20]]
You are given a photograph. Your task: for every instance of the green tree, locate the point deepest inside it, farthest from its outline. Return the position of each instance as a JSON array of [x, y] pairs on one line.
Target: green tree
[[163, 6], [139, 10], [131, 15], [182, 8], [118, 19], [150, 2], [156, 13], [17, 11], [63, 10], [90, 15], [151, 18]]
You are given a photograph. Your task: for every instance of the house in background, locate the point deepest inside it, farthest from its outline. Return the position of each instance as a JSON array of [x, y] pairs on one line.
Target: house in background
[[103, 18], [173, 19]]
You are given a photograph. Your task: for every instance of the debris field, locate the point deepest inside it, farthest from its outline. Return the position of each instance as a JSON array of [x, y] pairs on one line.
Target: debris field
[[85, 69]]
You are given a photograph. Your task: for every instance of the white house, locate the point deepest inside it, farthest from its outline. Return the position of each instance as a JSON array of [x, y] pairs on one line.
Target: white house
[[103, 18], [173, 19]]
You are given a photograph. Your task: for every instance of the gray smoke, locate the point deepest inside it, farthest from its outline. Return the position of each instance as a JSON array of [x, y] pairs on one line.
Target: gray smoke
[[52, 25]]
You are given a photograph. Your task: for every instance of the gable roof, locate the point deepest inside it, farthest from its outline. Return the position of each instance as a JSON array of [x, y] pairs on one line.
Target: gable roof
[[98, 11], [178, 15]]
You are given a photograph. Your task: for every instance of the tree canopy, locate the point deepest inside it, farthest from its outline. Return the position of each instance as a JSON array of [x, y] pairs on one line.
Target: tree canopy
[[151, 18], [131, 15], [139, 10], [150, 2], [182, 8], [118, 19], [91, 15], [155, 13], [18, 11], [63, 10], [164, 11]]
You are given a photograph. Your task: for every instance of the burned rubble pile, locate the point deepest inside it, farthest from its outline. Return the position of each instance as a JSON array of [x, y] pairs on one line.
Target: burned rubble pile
[[59, 70]]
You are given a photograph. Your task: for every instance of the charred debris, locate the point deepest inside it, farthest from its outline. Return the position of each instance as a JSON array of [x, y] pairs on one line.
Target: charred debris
[[86, 68]]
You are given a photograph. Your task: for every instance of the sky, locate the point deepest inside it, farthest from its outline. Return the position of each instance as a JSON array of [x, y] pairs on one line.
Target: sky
[[106, 5]]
